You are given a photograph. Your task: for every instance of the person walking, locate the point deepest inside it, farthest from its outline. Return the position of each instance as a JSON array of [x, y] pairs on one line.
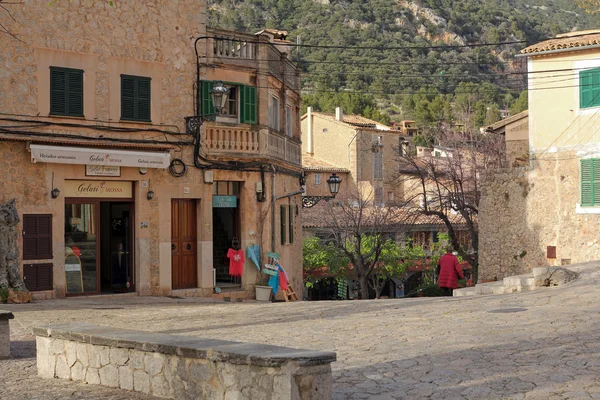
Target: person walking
[[448, 271]]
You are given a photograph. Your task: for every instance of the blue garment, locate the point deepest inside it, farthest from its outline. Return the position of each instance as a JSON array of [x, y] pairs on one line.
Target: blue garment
[[274, 283], [253, 252]]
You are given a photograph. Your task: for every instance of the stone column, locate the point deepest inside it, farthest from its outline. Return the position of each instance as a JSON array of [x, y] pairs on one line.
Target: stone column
[[5, 334]]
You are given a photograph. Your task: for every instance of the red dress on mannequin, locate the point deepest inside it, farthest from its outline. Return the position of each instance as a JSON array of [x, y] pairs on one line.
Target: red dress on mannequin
[[236, 262]]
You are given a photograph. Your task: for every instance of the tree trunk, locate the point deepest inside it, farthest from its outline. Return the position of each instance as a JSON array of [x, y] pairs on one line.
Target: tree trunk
[[10, 276], [364, 287]]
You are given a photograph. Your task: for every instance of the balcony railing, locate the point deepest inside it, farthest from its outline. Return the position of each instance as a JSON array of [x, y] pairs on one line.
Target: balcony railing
[[284, 148], [231, 140], [228, 47], [242, 142]]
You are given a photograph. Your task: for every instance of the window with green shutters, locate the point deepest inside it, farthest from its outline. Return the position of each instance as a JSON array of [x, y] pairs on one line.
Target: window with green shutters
[[291, 223], [66, 92], [589, 88], [135, 98], [283, 222], [590, 182], [247, 98]]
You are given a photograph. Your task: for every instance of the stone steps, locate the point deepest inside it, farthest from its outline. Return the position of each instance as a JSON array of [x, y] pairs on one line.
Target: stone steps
[[511, 284]]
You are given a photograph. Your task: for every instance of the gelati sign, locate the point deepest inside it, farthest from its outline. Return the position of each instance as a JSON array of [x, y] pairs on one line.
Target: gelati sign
[[81, 155], [99, 189]]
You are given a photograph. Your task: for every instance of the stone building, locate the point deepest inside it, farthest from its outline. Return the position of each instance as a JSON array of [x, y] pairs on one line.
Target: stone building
[[547, 213], [115, 192], [515, 130]]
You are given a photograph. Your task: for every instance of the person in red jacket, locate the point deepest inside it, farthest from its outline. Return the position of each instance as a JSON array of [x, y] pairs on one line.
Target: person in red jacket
[[448, 272]]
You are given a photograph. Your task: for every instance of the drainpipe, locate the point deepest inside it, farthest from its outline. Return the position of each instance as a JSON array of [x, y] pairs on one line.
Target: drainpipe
[[273, 208]]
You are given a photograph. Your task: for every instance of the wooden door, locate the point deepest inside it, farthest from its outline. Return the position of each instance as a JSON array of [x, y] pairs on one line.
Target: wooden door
[[183, 244]]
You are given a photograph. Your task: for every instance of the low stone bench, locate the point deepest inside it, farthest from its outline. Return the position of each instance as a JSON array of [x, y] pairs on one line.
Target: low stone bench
[[181, 367], [5, 334]]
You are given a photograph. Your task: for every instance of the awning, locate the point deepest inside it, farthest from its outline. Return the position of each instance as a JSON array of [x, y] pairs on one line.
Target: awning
[[85, 156]]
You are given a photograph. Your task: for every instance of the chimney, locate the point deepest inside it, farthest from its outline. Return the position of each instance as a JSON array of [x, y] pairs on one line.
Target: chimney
[[339, 115], [309, 121]]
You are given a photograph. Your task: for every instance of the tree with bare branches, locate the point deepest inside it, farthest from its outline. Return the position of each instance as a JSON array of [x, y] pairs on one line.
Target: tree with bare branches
[[445, 184], [363, 237]]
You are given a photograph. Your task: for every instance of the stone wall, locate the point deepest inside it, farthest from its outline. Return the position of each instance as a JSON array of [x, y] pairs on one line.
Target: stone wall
[[525, 211], [182, 367]]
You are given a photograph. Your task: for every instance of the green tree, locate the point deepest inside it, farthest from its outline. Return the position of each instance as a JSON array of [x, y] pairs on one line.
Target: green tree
[[521, 104]]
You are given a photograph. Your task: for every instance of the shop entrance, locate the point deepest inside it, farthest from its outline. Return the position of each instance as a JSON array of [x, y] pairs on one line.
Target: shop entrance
[[226, 231], [98, 246]]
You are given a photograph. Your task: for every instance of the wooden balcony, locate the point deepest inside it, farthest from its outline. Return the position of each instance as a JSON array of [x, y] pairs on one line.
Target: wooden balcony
[[244, 142]]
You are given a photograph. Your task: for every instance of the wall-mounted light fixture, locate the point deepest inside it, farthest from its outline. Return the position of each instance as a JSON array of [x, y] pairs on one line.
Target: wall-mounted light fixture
[[150, 194], [334, 183], [55, 192]]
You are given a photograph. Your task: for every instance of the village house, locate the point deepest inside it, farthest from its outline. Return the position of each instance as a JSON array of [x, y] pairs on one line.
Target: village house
[[515, 130], [127, 176], [548, 212]]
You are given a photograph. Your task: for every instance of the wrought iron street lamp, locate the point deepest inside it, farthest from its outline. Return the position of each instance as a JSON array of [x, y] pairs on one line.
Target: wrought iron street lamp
[[219, 95], [334, 183]]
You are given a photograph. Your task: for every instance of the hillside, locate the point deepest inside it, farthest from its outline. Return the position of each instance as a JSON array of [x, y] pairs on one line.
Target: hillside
[[392, 75]]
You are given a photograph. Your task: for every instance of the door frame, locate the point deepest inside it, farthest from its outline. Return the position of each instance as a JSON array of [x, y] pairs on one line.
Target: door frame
[[96, 201]]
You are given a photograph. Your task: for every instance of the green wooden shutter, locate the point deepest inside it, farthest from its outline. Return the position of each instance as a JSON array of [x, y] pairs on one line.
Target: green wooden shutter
[[249, 103], [75, 93], [66, 92], [587, 187], [291, 223], [207, 106], [143, 99], [135, 98], [58, 91], [596, 181], [589, 88], [127, 97], [282, 221]]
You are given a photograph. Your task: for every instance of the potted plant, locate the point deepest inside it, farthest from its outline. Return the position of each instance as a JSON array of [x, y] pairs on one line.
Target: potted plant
[[263, 290]]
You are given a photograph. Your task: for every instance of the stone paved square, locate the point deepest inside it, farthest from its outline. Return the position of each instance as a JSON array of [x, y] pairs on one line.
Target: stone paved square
[[545, 346]]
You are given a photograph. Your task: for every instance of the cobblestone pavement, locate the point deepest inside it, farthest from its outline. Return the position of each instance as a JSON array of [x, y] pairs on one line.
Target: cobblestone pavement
[[535, 345]]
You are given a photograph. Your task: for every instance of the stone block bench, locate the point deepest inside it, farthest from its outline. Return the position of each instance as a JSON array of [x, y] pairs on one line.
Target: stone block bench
[[181, 367], [5, 334]]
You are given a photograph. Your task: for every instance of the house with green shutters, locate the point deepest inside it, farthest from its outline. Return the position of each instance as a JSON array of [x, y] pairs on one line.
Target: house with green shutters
[[548, 213]]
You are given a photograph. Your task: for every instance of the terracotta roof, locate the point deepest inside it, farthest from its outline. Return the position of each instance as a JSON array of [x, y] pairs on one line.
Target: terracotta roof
[[506, 121], [568, 41], [83, 142], [355, 120], [309, 163], [319, 216]]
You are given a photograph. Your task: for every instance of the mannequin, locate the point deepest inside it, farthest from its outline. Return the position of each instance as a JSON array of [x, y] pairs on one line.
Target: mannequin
[[236, 258]]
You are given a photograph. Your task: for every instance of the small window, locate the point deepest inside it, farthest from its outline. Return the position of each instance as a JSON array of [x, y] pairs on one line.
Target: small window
[[390, 197], [437, 153], [589, 88], [232, 102], [289, 121], [317, 179], [135, 98], [378, 165], [37, 237], [66, 92], [274, 113]]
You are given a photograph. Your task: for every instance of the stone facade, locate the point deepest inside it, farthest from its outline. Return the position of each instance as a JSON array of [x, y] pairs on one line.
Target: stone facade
[[523, 212], [181, 367], [106, 42]]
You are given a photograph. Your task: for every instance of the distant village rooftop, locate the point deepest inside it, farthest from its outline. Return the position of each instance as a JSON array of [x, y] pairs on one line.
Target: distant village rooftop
[[580, 40], [355, 120], [310, 163]]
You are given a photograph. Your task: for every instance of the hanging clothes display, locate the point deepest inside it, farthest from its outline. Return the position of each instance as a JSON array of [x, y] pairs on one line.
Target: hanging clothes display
[[253, 252], [274, 283], [283, 279], [236, 262]]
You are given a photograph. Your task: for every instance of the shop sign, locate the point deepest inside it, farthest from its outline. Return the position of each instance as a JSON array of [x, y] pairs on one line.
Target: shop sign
[[102, 170], [224, 201], [72, 267], [85, 156], [102, 189]]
